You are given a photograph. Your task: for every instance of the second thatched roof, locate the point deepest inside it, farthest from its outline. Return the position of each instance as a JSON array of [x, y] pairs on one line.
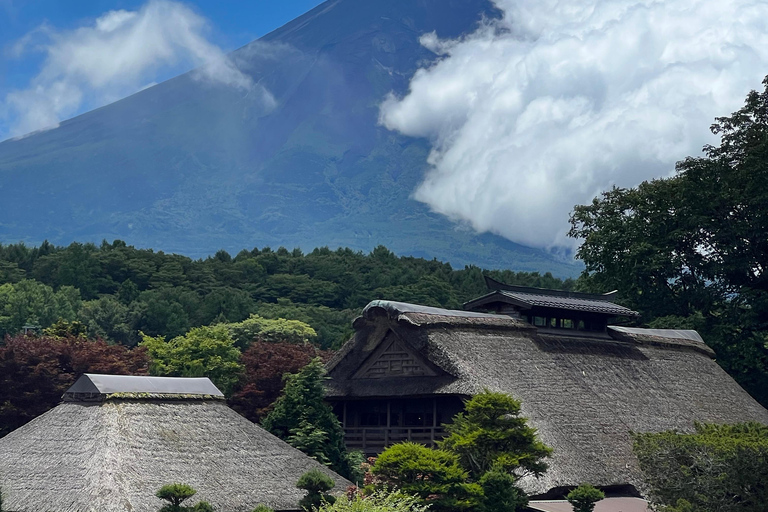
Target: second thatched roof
[[114, 454]]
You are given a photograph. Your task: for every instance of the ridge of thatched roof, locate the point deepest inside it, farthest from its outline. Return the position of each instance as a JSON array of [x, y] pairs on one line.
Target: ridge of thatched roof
[[426, 315], [673, 338], [583, 394], [114, 455]]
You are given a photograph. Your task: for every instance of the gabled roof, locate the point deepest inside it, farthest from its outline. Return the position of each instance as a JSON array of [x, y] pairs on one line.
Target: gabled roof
[[97, 386], [525, 298], [113, 455], [583, 394]]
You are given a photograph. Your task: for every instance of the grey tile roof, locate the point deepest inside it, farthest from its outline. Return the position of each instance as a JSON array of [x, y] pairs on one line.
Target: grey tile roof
[[98, 384], [572, 303]]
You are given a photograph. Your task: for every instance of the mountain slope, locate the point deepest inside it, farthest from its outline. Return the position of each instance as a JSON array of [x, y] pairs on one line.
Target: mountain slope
[[192, 166]]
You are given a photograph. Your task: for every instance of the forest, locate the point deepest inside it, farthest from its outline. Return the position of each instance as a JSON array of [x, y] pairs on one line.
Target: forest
[[117, 290]]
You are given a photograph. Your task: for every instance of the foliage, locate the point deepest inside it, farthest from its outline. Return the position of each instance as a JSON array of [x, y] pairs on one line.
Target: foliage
[[378, 501], [491, 434], [584, 497], [500, 492], [300, 410], [718, 468], [35, 372], [694, 244], [256, 328], [202, 352], [175, 494], [262, 508], [126, 290], [29, 302], [316, 483], [434, 476], [264, 365]]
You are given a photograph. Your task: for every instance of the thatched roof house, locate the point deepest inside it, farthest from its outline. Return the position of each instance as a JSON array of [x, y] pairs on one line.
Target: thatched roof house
[[116, 440], [407, 367]]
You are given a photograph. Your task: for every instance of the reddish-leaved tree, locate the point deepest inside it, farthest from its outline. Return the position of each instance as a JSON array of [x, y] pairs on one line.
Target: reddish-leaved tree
[[35, 371], [265, 364]]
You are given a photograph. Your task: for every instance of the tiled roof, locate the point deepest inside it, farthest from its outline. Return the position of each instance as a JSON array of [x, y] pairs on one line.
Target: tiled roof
[[572, 303]]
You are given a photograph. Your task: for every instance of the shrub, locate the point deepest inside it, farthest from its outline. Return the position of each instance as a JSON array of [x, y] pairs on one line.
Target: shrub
[[500, 492], [316, 483], [434, 476], [262, 508], [718, 467], [584, 497], [176, 494], [379, 501]]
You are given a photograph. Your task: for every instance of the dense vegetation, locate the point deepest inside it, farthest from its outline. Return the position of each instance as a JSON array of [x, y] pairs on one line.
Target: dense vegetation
[[719, 468], [117, 290], [691, 251], [488, 448]]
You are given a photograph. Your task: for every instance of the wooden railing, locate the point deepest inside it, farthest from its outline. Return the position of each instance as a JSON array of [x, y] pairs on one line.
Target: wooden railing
[[372, 440]]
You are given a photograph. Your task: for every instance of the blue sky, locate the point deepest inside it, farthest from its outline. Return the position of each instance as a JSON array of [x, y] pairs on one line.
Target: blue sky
[[229, 25]]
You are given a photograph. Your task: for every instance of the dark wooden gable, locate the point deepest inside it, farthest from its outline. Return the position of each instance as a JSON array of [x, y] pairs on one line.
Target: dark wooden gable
[[393, 358]]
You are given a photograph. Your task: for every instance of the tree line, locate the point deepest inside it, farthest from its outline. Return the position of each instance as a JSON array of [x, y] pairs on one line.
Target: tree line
[[117, 290]]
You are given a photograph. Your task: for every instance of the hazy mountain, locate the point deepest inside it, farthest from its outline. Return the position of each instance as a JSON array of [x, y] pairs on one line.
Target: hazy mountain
[[190, 166]]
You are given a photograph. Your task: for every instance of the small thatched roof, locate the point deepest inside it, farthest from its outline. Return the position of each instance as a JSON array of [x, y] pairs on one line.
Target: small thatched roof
[[114, 454], [584, 394]]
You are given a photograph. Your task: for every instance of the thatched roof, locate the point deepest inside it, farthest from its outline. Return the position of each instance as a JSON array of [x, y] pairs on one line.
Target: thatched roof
[[113, 455], [583, 394]]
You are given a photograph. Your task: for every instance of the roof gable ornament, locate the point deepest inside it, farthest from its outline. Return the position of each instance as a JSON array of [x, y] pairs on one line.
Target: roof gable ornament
[[393, 359]]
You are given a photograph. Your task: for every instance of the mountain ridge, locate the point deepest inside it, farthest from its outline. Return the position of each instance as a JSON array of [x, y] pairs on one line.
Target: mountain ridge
[[190, 166]]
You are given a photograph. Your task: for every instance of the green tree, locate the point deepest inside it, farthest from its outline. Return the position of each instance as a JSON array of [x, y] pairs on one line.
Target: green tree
[[30, 302], [317, 484], [109, 319], [500, 492], [695, 244], [379, 501], [491, 434], [718, 468], [176, 494], [202, 352], [584, 497], [256, 328], [301, 413], [434, 476], [263, 508]]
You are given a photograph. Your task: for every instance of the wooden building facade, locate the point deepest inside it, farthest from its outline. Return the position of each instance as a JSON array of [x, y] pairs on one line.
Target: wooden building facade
[[583, 383]]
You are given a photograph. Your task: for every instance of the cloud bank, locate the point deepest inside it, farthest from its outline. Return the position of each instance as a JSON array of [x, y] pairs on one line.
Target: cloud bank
[[120, 53], [558, 100]]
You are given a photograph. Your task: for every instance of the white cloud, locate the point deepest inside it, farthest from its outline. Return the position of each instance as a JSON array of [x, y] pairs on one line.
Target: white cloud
[[558, 100], [116, 55]]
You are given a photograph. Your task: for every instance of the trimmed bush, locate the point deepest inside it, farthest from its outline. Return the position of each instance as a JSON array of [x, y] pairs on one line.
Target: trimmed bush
[[584, 497], [316, 483]]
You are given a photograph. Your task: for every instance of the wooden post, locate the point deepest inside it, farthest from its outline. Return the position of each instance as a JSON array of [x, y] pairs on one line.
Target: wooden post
[[434, 419], [389, 422]]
